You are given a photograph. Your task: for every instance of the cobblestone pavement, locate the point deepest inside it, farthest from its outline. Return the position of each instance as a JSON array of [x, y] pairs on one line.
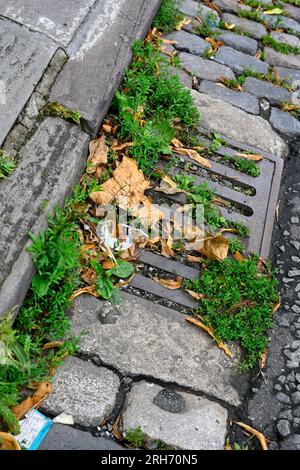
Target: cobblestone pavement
[[140, 364]]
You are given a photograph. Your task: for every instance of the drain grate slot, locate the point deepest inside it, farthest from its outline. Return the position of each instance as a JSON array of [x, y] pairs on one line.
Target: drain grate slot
[[172, 267], [178, 296]]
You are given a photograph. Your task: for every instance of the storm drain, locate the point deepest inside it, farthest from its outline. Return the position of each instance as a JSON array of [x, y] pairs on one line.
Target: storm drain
[[252, 201]]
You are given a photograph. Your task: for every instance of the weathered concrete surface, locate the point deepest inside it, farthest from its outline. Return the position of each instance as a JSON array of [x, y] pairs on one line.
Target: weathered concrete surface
[[99, 56], [50, 164], [83, 390], [24, 56], [218, 116], [201, 425], [203, 68], [58, 19], [240, 99], [141, 338], [61, 437]]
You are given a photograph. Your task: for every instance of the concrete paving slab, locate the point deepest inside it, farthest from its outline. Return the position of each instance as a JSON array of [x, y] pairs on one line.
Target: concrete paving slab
[[197, 424], [144, 339], [99, 55], [24, 56], [58, 19], [49, 165], [61, 437], [84, 391]]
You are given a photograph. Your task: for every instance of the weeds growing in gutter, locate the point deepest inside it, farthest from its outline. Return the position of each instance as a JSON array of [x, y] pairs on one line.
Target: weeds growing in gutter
[[149, 110], [7, 166]]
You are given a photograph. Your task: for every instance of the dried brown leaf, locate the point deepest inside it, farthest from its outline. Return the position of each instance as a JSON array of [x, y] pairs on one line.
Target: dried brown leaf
[[239, 257], [52, 344], [45, 388], [85, 290], [250, 156], [193, 154], [195, 295], [215, 248], [170, 283], [182, 23], [98, 154], [206, 328], [214, 43], [8, 442], [254, 432], [127, 186]]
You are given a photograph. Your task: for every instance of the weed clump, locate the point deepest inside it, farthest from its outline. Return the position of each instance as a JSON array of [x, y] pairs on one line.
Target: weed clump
[[151, 106], [239, 297], [168, 16]]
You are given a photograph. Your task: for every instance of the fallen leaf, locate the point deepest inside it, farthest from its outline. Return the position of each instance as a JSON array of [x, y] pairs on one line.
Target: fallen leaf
[[274, 11], [195, 295], [193, 154], [221, 202], [52, 344], [213, 7], [168, 186], [107, 128], [127, 186], [290, 107], [214, 43], [215, 247], [108, 264], [169, 41], [33, 401], [118, 147], [89, 276], [183, 22], [250, 156], [98, 154], [166, 248], [170, 283], [195, 259], [276, 307], [85, 290], [229, 26], [255, 433], [239, 257], [177, 143], [206, 328], [116, 429], [8, 442], [263, 359]]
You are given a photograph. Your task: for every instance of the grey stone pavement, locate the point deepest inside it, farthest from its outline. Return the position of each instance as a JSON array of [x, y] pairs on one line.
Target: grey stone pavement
[[141, 364]]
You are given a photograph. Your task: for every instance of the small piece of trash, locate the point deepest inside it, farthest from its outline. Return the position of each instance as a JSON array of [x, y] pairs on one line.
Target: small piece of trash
[[64, 418], [34, 427], [130, 234]]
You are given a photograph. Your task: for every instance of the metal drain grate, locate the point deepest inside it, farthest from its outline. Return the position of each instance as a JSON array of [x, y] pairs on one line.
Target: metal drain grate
[[253, 202]]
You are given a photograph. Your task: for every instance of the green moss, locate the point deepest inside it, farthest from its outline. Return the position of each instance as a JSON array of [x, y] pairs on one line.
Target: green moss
[[238, 301]]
